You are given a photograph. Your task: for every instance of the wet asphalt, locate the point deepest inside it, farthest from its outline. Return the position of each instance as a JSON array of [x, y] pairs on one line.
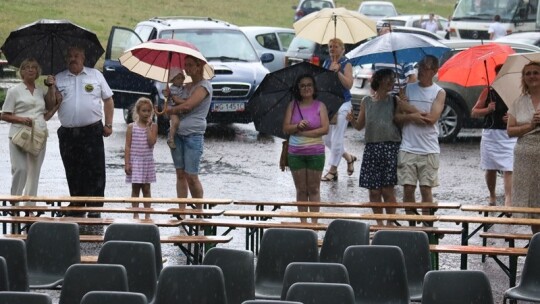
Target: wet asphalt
[[238, 163]]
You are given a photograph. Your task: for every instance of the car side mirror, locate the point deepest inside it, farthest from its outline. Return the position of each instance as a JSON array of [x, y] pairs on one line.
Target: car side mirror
[[267, 57]]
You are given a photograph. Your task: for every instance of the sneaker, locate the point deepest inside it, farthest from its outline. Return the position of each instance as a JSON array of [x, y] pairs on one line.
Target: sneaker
[[171, 143]]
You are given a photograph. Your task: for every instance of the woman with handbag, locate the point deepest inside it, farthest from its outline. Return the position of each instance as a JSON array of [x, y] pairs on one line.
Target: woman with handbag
[[306, 121], [24, 107]]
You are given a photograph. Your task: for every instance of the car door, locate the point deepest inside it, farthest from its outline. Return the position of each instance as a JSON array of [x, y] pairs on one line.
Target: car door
[[272, 43], [126, 85]]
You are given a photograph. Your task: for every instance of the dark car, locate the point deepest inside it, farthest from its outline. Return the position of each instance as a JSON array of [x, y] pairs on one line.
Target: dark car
[[306, 7]]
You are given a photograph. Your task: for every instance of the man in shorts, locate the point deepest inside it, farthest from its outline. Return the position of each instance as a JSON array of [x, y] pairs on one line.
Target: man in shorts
[[418, 160]]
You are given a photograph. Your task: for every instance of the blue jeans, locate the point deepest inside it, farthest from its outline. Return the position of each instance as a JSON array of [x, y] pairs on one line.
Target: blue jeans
[[188, 152]]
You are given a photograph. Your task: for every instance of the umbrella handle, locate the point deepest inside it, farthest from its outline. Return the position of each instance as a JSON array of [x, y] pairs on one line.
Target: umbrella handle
[[169, 57], [165, 103]]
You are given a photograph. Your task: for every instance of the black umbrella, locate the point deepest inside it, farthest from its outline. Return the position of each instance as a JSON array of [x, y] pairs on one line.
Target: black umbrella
[[47, 41], [269, 102]]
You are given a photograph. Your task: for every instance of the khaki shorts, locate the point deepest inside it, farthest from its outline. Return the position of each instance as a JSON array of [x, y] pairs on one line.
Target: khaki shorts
[[415, 168]]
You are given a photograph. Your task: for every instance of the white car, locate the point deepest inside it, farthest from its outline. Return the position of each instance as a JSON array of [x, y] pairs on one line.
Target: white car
[[416, 21], [272, 40], [376, 10]]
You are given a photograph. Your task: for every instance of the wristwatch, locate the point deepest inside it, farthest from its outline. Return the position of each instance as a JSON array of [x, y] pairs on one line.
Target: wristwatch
[[108, 126]]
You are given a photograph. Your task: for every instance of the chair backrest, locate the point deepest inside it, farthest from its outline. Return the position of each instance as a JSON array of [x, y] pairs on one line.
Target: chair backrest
[[138, 259], [14, 252], [279, 248], [23, 297], [113, 297], [191, 284], [341, 234], [270, 302], [456, 286], [415, 248], [46, 263], [139, 233], [322, 293], [238, 267], [83, 278], [531, 268], [377, 274], [309, 272], [4, 280]]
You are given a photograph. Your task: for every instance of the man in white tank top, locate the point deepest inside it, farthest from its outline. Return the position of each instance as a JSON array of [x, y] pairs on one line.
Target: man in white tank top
[[418, 161]]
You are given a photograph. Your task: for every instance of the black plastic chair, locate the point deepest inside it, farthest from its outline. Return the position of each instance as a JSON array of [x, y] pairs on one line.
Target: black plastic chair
[[138, 259], [341, 234], [113, 297], [83, 278], [456, 287], [22, 297], [192, 284], [313, 273], [321, 293], [138, 233], [51, 249], [415, 248], [528, 288], [377, 274], [4, 280], [14, 252], [238, 267], [279, 248]]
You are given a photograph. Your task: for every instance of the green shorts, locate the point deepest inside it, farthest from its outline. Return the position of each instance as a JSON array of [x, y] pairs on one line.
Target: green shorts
[[311, 162]]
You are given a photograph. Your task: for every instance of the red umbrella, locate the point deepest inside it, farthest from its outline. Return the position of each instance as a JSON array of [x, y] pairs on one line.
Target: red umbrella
[[475, 66], [162, 59]]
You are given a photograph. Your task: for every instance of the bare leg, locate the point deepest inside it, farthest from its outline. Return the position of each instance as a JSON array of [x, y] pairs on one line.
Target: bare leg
[[146, 193], [427, 197], [314, 190], [491, 182], [195, 187], [389, 196], [300, 183], [135, 190], [181, 186], [174, 122], [375, 196], [408, 196], [507, 177]]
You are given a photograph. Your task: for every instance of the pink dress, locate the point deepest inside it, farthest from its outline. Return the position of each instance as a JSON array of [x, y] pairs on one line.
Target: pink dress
[[143, 169]]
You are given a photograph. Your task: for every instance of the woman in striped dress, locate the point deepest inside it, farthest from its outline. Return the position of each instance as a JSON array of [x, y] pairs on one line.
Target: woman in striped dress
[[141, 136]]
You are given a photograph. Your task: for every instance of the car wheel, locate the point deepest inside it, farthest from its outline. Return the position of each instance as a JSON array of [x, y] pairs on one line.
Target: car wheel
[[450, 122], [128, 113]]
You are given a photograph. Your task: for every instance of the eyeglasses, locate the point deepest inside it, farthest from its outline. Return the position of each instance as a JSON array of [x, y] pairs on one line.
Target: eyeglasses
[[306, 86], [529, 73]]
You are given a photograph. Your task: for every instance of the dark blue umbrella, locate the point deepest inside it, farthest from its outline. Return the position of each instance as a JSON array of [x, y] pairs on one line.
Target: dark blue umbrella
[[268, 104], [47, 41]]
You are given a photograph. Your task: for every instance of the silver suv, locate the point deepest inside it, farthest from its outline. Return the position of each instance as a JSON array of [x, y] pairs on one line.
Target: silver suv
[[237, 66]]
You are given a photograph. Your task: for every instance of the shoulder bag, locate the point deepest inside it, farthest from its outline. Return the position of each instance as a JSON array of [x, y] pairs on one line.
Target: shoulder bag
[[284, 157], [30, 139]]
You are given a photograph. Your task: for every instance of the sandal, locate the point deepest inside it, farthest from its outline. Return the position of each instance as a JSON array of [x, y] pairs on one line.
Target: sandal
[[350, 165], [171, 143], [329, 177]]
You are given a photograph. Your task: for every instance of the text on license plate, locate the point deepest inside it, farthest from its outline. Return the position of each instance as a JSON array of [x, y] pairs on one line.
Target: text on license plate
[[228, 107]]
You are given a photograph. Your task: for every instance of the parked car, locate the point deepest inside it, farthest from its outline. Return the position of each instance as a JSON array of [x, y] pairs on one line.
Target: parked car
[[459, 100], [522, 37], [238, 68], [306, 7], [271, 40], [376, 10], [416, 21]]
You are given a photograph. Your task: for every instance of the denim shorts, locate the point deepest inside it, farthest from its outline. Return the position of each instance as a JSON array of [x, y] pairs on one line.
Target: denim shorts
[[188, 152]]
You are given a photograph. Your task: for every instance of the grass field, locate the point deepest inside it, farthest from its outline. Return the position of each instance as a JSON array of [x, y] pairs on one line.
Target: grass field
[[100, 15]]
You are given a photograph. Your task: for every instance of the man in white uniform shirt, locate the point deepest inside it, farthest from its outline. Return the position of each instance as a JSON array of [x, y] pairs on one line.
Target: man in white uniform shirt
[[430, 24], [84, 96], [418, 161], [496, 29]]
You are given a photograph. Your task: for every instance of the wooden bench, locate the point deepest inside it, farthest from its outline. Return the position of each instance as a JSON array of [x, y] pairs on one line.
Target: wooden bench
[[513, 253], [190, 245], [508, 237]]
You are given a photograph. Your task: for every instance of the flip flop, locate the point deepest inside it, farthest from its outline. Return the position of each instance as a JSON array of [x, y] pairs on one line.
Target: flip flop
[[350, 165]]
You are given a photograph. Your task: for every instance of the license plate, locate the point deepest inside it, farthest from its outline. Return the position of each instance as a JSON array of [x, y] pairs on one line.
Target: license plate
[[228, 107]]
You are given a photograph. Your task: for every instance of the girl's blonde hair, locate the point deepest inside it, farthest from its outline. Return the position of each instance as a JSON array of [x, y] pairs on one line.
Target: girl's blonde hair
[[28, 62], [138, 105], [524, 86]]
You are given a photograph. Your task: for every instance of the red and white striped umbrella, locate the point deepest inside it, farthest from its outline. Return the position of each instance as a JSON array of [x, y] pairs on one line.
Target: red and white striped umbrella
[[162, 59]]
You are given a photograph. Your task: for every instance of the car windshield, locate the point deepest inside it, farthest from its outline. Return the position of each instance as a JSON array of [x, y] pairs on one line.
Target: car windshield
[[486, 9], [378, 10], [217, 44], [316, 4]]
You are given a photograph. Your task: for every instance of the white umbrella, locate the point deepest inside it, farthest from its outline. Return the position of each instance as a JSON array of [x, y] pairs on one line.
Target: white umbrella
[[508, 81], [328, 23]]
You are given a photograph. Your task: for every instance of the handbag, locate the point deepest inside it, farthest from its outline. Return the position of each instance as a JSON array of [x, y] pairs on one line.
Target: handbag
[[284, 159], [30, 139]]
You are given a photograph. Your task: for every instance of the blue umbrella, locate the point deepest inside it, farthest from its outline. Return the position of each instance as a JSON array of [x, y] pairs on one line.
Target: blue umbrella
[[396, 48]]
